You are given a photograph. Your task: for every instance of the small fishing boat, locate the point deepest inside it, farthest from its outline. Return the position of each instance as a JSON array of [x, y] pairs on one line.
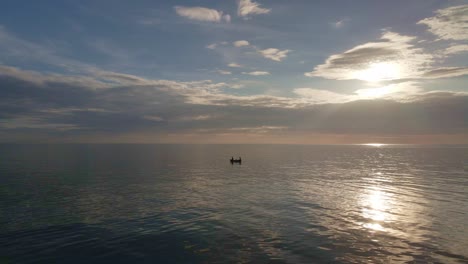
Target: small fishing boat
[[232, 160]]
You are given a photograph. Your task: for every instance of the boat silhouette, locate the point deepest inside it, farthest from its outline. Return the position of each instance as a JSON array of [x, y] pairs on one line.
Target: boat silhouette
[[232, 160]]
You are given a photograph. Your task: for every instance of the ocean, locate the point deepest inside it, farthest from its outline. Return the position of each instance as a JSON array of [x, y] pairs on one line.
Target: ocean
[[136, 203]]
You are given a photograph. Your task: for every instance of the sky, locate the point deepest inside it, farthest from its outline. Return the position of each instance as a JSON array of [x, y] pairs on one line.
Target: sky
[[205, 71]]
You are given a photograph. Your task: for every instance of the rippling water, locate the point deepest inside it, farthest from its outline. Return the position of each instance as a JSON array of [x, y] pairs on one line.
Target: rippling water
[[188, 204]]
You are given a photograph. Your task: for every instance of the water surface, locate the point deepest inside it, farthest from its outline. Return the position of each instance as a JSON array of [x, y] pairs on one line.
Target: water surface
[[188, 204]]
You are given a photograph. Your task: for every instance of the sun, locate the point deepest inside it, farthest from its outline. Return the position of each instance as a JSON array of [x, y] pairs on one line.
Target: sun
[[380, 71]]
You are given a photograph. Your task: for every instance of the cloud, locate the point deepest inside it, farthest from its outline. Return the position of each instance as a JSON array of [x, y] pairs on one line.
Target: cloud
[[257, 73], [153, 118], [216, 45], [44, 79], [234, 65], [446, 72], [237, 86], [274, 54], [121, 78], [316, 96], [455, 49], [12, 47], [224, 72], [394, 56], [212, 46], [449, 23], [196, 118], [400, 92], [59, 107], [34, 123], [247, 7], [270, 53], [201, 14], [339, 23], [241, 43], [258, 129]]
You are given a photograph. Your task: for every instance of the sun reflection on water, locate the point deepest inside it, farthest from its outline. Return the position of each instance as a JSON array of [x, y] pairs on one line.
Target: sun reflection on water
[[376, 205], [373, 226], [374, 144]]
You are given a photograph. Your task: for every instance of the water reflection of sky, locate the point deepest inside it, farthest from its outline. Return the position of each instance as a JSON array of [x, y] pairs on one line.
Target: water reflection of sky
[[352, 204]]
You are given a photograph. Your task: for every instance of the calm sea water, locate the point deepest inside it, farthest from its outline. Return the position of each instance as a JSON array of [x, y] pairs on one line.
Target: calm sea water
[[188, 204]]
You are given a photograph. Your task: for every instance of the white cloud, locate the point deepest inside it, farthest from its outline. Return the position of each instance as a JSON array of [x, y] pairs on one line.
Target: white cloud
[[316, 96], [236, 86], [201, 14], [339, 23], [405, 91], [35, 123], [234, 65], [212, 46], [41, 79], [456, 49], [224, 72], [153, 118], [449, 23], [147, 94], [401, 92], [216, 45], [257, 73], [247, 7], [196, 118], [258, 129], [274, 54], [394, 56], [241, 43], [446, 72], [12, 46]]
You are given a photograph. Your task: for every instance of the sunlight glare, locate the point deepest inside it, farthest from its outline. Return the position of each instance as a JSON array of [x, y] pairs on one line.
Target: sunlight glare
[[376, 202], [375, 209], [373, 93], [374, 144], [379, 71]]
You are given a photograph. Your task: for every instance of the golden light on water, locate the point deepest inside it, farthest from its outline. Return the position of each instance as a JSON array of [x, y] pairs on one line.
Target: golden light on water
[[375, 208], [374, 226]]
